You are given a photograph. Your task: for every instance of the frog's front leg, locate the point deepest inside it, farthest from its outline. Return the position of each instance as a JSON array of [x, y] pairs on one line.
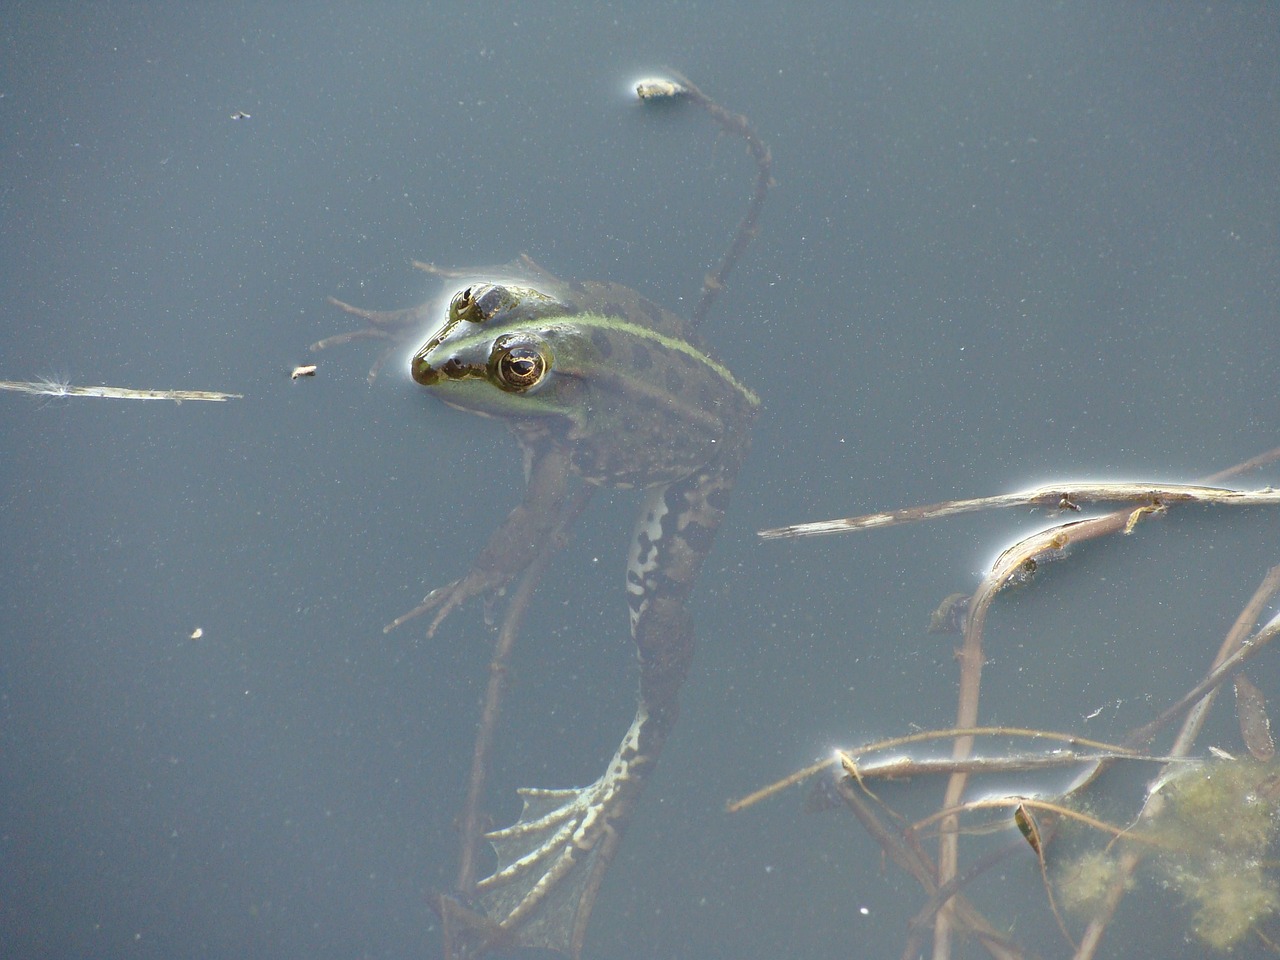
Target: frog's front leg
[[393, 325], [512, 547]]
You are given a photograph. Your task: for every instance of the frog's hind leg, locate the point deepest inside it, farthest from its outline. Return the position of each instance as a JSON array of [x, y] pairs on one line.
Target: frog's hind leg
[[552, 860]]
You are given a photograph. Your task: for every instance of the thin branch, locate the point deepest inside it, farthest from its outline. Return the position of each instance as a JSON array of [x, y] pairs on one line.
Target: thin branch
[[916, 863], [1057, 497], [736, 125], [471, 820], [1107, 749]]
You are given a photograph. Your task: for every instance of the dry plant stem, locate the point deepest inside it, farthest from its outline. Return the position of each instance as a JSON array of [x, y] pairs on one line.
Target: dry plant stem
[[966, 716], [751, 799], [1232, 644], [1009, 803], [1053, 497], [920, 924], [1230, 652], [511, 624], [916, 863], [904, 768], [1058, 496], [1253, 463], [978, 765], [1241, 652], [1001, 731], [1007, 566]]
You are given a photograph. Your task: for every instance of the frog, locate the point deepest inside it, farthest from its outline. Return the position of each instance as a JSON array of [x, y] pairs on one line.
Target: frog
[[603, 387]]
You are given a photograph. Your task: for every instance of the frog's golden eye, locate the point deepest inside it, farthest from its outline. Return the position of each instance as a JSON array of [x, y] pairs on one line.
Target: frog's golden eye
[[517, 366], [479, 302], [490, 301], [464, 306]]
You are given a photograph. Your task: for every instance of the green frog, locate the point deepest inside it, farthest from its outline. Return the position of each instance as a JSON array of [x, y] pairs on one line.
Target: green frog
[[600, 384]]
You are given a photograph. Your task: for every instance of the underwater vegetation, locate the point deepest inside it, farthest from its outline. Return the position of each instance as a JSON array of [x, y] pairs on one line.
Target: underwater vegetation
[[1209, 841]]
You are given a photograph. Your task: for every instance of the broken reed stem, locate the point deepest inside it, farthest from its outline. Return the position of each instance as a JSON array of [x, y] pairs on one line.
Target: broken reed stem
[[1232, 645], [734, 124], [1244, 466], [978, 765], [1011, 564], [919, 925], [1056, 497], [971, 658]]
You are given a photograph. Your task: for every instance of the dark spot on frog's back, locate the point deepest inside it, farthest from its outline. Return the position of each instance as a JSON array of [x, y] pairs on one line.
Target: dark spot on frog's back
[[675, 382], [641, 357], [653, 310], [719, 499], [604, 346]]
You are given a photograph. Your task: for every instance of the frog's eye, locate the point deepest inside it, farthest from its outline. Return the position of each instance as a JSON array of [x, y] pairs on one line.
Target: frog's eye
[[461, 304], [490, 301], [517, 366], [479, 303]]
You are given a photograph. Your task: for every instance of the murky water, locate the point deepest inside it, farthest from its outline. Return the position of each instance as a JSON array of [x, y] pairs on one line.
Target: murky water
[[1007, 245]]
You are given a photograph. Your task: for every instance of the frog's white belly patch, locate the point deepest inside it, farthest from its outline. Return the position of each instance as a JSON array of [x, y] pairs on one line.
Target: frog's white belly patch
[[643, 558]]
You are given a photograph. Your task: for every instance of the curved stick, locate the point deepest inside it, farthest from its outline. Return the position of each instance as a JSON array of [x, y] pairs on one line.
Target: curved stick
[[734, 124]]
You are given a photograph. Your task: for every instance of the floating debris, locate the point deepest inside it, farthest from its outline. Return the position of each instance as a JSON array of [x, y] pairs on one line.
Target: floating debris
[[1255, 725], [241, 115], [1030, 830], [951, 614], [657, 88], [52, 388], [306, 370]]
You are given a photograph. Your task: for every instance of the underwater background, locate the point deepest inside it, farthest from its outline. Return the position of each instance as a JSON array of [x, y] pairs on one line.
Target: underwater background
[[1009, 243]]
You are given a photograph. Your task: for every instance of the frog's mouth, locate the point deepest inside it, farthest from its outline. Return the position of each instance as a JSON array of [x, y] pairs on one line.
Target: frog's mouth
[[454, 368], [422, 370], [475, 304]]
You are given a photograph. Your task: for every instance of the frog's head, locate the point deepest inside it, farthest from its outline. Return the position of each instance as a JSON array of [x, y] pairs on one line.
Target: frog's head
[[491, 355]]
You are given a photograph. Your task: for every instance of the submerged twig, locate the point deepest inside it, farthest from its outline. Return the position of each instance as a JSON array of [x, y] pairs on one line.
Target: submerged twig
[[492, 710], [736, 125], [910, 858]]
